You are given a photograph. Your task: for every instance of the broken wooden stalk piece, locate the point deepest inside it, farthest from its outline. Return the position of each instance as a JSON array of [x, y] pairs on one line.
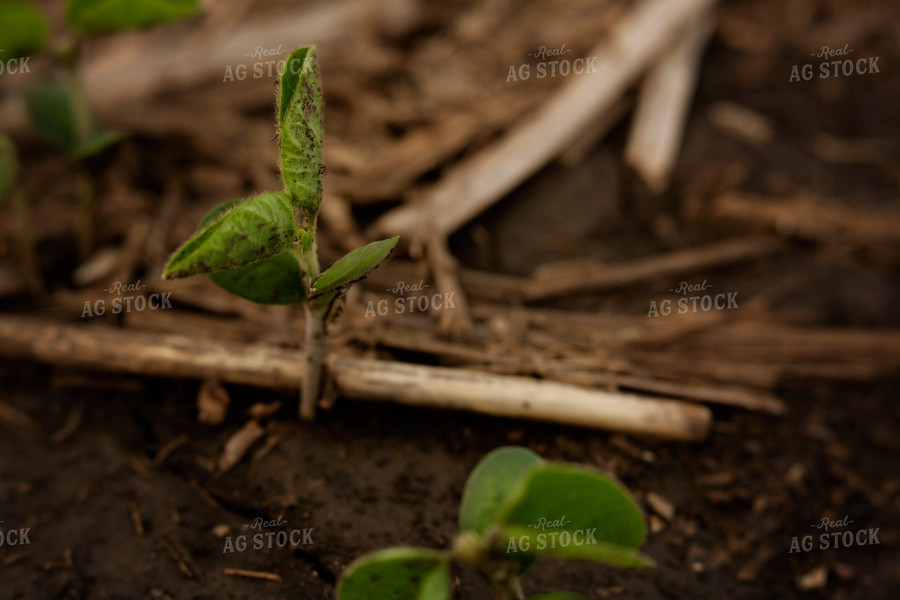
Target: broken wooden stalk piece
[[664, 106], [104, 348]]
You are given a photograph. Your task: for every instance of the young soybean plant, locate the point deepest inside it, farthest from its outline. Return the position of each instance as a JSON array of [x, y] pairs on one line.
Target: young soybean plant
[[515, 508], [58, 108], [263, 248], [9, 175]]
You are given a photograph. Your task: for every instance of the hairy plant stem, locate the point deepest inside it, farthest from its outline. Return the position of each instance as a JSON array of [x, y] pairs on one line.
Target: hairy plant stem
[[306, 254], [315, 357]]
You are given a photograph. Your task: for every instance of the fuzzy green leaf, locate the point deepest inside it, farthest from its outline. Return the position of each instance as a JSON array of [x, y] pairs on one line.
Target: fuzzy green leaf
[[243, 233], [300, 122], [276, 280], [397, 574], [52, 109], [489, 486], [353, 266], [553, 499], [9, 166], [23, 29], [95, 17]]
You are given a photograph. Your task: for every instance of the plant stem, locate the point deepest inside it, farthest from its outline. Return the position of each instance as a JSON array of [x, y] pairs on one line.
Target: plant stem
[[315, 356], [68, 59], [307, 256], [510, 589], [86, 215], [26, 245]]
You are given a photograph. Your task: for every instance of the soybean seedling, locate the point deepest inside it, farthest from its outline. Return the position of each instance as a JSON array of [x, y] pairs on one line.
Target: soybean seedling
[[9, 188], [58, 108], [515, 508], [263, 248]]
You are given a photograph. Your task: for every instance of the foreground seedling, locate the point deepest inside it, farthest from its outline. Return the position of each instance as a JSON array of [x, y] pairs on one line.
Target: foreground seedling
[[57, 107], [515, 508], [263, 248]]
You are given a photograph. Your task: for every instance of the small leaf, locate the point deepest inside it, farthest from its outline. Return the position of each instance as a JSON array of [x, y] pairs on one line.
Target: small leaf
[[245, 232], [489, 486], [23, 29], [53, 110], [560, 500], [94, 17], [9, 166], [300, 124], [558, 596], [275, 280], [353, 266], [97, 144], [396, 574], [560, 544]]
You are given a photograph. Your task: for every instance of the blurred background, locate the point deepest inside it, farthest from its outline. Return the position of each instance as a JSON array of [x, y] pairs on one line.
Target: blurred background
[[566, 172]]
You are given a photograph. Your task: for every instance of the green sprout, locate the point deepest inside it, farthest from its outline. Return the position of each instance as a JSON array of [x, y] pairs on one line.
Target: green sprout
[[515, 508], [58, 108], [263, 248], [9, 188]]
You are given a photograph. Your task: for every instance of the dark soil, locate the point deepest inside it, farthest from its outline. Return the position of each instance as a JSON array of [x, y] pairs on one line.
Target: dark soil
[[368, 476], [106, 521]]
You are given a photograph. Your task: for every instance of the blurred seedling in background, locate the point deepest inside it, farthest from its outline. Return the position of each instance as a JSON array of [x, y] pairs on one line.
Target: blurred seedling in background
[[57, 107], [9, 188], [515, 508], [263, 248]]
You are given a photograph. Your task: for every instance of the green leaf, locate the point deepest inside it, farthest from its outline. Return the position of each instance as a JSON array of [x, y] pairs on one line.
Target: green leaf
[[53, 109], [99, 142], [23, 29], [353, 266], [9, 166], [558, 596], [553, 502], [276, 280], [561, 544], [94, 17], [300, 124], [52, 112], [217, 211], [397, 574], [243, 233], [489, 486]]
